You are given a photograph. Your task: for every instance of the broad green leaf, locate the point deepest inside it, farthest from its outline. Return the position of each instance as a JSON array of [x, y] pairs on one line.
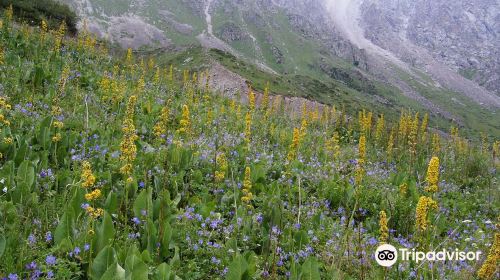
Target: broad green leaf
[[135, 268], [143, 202], [102, 262], [163, 272], [104, 232], [310, 270], [21, 152], [114, 272], [26, 174], [65, 227], [237, 269]]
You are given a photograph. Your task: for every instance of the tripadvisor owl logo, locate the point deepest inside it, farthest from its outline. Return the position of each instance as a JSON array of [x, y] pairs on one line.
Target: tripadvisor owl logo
[[386, 255]]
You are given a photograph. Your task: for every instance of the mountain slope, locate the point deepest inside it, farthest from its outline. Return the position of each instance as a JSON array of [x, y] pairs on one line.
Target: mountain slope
[[328, 41]]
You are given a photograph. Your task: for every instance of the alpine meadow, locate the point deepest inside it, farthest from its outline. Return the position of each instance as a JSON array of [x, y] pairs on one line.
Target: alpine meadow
[[126, 163]]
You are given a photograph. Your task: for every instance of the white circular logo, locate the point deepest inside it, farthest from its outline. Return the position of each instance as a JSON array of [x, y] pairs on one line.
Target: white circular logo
[[386, 255]]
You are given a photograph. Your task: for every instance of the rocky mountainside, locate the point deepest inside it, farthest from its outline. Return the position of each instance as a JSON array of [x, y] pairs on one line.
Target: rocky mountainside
[[427, 55], [464, 35]]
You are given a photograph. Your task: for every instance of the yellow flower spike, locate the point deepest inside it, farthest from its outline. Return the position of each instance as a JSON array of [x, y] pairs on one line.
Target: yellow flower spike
[[424, 205], [403, 189], [58, 124], [222, 168], [127, 146], [360, 169], [56, 138], [160, 127], [247, 186], [294, 147], [383, 228], [95, 194], [59, 37], [87, 177], [129, 56], [251, 99], [390, 145], [490, 266], [8, 140], [248, 128], [380, 126], [433, 175], [185, 121]]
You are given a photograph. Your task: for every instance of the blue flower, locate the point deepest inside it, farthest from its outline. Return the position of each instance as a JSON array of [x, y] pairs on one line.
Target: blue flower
[[31, 239], [13, 276], [31, 266], [141, 184], [136, 220], [215, 260], [86, 247], [48, 236], [50, 260], [50, 274]]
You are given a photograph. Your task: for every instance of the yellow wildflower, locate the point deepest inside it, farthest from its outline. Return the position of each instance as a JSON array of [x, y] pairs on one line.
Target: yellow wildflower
[[251, 99], [160, 127], [95, 194], [403, 189], [424, 204], [87, 177], [390, 145], [247, 186], [222, 167], [56, 138], [293, 150], [383, 228], [490, 266], [379, 131], [360, 171], [248, 128], [8, 140], [58, 124], [433, 175], [185, 121]]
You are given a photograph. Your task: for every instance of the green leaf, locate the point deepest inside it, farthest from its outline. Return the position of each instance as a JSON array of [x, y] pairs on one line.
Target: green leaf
[[135, 268], [21, 153], [310, 270], [65, 227], [105, 259], [237, 269], [3, 244], [114, 272], [163, 272], [104, 232], [26, 174], [143, 202]]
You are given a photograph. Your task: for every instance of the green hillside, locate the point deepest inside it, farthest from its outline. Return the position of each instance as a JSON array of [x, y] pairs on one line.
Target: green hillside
[[125, 167]]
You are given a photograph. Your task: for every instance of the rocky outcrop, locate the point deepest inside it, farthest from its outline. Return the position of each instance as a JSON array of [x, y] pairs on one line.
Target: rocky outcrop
[[230, 32], [464, 35]]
